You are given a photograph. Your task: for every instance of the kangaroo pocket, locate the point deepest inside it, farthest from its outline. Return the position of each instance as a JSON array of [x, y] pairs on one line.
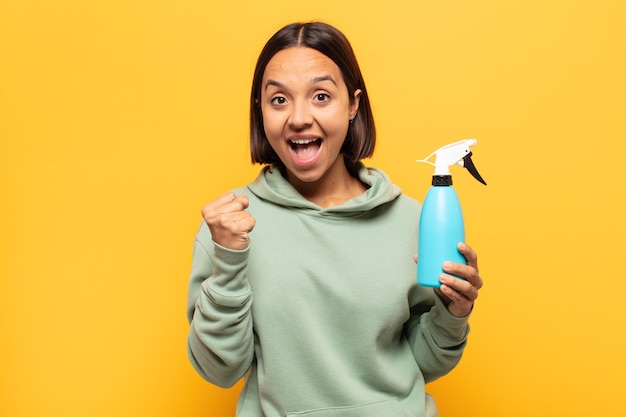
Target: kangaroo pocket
[[387, 408]]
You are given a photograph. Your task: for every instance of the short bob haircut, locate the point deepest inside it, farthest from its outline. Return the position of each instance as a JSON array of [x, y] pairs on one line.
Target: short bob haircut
[[361, 137]]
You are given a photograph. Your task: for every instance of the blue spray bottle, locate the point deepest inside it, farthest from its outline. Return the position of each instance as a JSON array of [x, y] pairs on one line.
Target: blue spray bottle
[[441, 225]]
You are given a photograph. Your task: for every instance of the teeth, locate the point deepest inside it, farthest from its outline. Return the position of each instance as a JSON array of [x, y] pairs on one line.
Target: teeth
[[302, 141]]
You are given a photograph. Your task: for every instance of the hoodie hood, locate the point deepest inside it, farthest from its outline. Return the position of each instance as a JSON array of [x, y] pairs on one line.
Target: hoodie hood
[[271, 186]]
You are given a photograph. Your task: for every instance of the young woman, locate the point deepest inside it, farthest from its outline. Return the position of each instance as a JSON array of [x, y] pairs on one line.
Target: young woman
[[303, 282]]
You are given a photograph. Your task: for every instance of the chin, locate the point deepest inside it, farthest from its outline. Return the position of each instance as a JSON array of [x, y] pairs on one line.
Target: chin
[[308, 176]]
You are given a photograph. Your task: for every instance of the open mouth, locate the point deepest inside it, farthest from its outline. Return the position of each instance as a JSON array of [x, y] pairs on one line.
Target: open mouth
[[305, 149]]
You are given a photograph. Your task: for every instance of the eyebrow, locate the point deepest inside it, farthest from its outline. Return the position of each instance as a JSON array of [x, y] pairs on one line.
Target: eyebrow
[[315, 81], [274, 83], [324, 78]]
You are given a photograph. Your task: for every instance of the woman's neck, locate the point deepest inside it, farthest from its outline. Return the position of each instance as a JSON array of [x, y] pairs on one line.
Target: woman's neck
[[335, 188]]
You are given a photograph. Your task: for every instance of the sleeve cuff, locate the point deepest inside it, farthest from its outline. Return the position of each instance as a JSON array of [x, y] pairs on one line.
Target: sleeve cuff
[[449, 330], [228, 286]]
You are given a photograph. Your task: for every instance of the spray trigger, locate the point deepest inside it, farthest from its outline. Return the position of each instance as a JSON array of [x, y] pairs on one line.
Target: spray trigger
[[457, 153], [467, 163]]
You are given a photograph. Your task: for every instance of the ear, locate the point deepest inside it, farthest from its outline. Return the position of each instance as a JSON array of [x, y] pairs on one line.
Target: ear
[[354, 104]]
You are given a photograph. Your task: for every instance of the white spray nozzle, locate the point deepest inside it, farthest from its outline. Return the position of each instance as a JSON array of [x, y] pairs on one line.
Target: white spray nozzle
[[454, 153]]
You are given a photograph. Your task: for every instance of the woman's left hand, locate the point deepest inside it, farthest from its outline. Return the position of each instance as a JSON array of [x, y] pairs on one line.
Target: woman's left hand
[[459, 294]]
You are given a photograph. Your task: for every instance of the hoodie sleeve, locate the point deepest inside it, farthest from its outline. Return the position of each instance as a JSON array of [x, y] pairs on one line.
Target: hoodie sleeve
[[220, 341], [437, 338]]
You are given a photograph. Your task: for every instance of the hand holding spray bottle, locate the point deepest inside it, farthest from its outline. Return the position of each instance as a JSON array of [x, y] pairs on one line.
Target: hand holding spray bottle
[[441, 225]]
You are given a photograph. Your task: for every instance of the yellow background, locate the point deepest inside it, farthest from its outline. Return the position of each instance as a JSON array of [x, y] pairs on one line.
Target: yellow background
[[120, 119]]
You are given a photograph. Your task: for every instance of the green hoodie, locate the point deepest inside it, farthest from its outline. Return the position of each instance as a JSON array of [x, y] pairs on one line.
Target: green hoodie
[[321, 313]]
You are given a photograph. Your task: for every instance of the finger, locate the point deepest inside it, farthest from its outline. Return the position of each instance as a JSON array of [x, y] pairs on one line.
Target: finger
[[458, 305], [461, 289], [244, 222], [222, 200], [231, 230], [218, 202], [244, 200], [236, 221], [467, 272], [454, 298], [237, 204], [225, 204], [469, 254], [248, 224]]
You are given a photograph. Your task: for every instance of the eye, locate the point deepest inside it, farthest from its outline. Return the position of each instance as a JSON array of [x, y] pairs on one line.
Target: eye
[[278, 100], [322, 97]]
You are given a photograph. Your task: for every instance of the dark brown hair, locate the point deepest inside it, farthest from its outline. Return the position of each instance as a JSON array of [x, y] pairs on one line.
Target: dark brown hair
[[361, 137]]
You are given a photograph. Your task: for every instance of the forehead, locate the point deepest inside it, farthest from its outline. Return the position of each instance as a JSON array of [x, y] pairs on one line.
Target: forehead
[[298, 61]]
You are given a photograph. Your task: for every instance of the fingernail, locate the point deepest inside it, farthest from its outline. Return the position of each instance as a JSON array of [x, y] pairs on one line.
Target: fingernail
[[447, 265]]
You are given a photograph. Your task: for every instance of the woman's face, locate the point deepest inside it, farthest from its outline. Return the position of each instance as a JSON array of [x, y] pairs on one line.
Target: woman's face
[[306, 113]]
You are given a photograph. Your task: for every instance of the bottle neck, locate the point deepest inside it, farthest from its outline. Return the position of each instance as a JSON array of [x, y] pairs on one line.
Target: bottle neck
[[442, 180]]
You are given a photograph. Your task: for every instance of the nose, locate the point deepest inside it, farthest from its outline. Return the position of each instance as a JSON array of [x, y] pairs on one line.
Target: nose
[[301, 115]]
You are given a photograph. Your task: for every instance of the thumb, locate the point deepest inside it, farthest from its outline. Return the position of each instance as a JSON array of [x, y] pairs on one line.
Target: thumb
[[244, 200]]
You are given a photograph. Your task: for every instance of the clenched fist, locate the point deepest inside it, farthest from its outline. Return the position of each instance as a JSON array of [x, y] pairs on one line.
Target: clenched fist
[[229, 221]]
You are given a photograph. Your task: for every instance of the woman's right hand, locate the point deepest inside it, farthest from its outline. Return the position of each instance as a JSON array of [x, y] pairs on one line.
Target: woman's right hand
[[229, 221]]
